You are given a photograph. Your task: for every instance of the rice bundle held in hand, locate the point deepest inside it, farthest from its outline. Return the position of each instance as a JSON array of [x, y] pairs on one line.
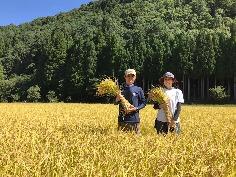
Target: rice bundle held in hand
[[107, 87], [158, 95]]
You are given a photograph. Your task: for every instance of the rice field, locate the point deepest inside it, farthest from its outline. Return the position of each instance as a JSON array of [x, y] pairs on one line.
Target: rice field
[[82, 140]]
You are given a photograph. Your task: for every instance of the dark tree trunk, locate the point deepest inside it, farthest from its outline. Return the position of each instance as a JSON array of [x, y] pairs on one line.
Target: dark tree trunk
[[202, 88], [189, 89], [143, 82], [235, 86], [183, 85], [207, 88]]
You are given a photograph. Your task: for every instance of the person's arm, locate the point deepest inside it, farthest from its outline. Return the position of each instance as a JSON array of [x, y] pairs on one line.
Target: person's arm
[[177, 112], [142, 101]]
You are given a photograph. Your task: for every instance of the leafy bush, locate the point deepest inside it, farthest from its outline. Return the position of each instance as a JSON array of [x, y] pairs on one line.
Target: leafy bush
[[14, 89], [33, 93], [218, 94], [51, 96]]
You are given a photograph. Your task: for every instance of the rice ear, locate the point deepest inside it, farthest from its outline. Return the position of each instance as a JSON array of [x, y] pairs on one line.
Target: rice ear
[[125, 103], [108, 87], [157, 94]]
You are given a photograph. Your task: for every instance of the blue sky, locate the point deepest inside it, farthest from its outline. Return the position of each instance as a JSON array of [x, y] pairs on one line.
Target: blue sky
[[21, 11]]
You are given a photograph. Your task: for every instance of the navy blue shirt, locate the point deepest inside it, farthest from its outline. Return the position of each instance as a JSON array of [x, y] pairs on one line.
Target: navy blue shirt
[[136, 97]]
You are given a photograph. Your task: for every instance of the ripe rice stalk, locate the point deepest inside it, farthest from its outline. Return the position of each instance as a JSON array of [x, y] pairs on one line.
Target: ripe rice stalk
[[107, 87], [158, 95]]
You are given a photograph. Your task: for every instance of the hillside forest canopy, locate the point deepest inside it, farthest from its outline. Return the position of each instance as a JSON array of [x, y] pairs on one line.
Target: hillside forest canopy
[[63, 56]]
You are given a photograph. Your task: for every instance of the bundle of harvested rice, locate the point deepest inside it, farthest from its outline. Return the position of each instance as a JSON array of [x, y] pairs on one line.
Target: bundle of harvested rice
[[158, 95], [107, 87]]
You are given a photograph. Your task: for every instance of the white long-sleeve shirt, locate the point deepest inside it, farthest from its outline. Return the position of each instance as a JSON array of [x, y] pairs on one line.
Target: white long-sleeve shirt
[[175, 96]]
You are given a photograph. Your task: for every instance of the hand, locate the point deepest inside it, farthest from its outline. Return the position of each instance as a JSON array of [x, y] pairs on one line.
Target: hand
[[172, 123], [118, 97], [131, 109]]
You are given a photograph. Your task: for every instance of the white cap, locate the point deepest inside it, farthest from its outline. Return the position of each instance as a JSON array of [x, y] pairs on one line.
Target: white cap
[[130, 71], [169, 74]]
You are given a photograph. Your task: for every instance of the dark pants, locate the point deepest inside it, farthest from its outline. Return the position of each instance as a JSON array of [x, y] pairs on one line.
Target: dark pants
[[129, 127], [162, 127]]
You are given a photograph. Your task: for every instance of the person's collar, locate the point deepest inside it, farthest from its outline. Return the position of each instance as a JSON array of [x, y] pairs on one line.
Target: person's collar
[[167, 88], [129, 85]]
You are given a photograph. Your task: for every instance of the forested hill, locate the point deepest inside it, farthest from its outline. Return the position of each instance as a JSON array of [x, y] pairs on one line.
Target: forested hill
[[61, 57]]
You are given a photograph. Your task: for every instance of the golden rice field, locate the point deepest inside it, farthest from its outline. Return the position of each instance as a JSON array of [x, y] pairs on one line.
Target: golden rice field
[[82, 140]]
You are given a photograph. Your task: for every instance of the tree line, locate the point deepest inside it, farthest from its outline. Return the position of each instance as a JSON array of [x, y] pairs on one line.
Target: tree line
[[62, 57]]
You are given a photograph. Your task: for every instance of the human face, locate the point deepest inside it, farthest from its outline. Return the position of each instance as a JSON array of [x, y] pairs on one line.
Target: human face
[[129, 79], [168, 82]]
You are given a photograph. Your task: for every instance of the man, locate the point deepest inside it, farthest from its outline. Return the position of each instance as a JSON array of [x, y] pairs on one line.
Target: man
[[129, 120]]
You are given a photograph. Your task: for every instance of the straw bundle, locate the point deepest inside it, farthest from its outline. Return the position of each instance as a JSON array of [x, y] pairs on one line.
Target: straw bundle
[[158, 95], [107, 87]]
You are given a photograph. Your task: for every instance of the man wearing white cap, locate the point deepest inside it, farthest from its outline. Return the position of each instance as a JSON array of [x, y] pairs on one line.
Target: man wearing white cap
[[130, 120]]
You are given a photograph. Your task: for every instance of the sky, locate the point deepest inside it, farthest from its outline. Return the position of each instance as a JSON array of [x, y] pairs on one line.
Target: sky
[[20, 11]]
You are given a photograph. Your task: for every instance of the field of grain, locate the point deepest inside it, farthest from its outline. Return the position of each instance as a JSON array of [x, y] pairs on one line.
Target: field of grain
[[82, 140]]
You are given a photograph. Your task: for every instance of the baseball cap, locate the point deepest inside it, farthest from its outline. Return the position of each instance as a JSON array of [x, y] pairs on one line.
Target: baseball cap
[[130, 71], [169, 74]]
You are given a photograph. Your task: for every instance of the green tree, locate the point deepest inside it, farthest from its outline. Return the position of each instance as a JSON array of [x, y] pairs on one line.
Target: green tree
[[33, 94], [204, 56], [52, 97]]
